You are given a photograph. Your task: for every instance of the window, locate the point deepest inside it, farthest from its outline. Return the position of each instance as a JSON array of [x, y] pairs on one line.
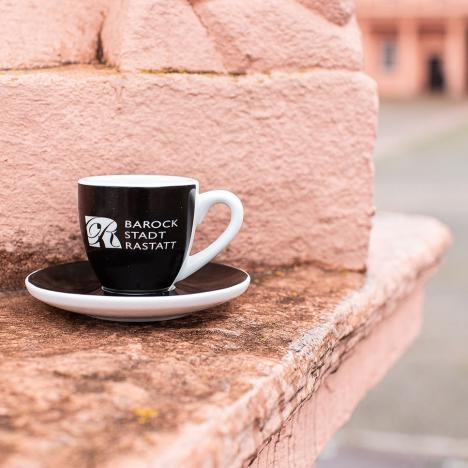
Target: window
[[388, 55]]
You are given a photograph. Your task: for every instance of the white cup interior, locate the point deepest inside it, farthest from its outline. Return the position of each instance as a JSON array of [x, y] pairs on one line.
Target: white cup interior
[[137, 181]]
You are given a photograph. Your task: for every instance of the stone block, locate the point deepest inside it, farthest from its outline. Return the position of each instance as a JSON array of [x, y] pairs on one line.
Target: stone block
[[259, 35], [296, 147], [147, 35], [45, 33], [190, 36]]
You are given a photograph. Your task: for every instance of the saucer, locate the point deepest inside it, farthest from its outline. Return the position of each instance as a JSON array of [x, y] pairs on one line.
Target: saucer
[[75, 288]]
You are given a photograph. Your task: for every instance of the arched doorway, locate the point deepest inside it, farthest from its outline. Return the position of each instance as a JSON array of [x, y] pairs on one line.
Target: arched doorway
[[435, 74]]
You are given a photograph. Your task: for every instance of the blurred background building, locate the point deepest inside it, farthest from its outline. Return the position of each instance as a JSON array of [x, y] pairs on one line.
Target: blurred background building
[[416, 46]]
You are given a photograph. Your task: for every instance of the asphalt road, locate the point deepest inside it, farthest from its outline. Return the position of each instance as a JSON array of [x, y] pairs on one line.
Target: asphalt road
[[421, 167]]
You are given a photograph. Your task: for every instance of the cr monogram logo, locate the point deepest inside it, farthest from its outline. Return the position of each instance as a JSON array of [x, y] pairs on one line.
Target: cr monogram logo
[[102, 230]]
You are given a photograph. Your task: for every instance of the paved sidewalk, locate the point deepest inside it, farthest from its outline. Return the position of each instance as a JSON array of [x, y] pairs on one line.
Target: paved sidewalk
[[406, 124]]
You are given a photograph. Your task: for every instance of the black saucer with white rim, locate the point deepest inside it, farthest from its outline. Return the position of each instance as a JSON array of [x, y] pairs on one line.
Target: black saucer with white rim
[[75, 288]]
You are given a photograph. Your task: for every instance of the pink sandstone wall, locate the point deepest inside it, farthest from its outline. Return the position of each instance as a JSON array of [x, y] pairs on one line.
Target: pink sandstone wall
[[44, 33], [222, 35], [264, 98]]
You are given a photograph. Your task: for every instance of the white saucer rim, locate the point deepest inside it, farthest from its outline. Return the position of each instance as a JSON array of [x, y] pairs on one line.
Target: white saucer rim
[[144, 304]]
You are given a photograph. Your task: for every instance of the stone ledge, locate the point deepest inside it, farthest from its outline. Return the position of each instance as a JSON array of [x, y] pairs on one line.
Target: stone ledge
[[210, 389], [303, 436]]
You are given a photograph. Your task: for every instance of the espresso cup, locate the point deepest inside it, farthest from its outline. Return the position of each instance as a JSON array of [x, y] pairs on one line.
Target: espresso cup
[[138, 230]]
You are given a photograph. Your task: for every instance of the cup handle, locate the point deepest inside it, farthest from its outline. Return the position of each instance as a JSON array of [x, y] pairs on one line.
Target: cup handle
[[204, 202]]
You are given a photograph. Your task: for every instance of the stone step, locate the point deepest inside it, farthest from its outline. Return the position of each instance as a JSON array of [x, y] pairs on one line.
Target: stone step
[[265, 379], [296, 147]]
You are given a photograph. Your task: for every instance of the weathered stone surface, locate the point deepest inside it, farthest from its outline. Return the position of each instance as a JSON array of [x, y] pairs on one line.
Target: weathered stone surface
[[358, 368], [296, 147], [147, 34], [44, 33], [192, 35], [212, 388], [259, 35], [338, 11]]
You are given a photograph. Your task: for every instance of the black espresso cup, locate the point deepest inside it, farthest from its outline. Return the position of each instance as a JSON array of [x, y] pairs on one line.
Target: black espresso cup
[[138, 229]]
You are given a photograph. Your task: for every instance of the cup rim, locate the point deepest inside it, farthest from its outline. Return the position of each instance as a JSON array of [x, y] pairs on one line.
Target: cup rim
[[137, 180]]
